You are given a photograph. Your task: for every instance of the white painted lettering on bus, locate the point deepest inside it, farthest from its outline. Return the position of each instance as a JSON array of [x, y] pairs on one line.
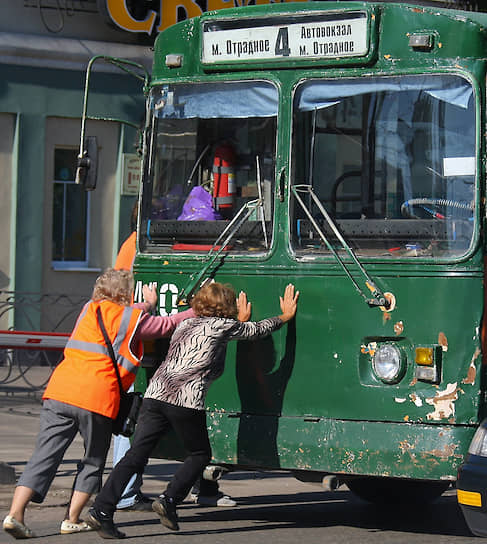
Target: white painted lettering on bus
[[168, 290], [168, 296]]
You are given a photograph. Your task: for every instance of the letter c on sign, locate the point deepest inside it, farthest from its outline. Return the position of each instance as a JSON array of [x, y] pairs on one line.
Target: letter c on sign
[[120, 15], [168, 290]]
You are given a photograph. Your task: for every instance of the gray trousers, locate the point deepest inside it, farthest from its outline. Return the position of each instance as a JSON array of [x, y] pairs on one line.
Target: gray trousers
[[59, 424]]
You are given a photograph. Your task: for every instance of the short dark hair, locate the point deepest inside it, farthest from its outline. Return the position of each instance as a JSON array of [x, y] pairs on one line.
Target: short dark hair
[[215, 300]]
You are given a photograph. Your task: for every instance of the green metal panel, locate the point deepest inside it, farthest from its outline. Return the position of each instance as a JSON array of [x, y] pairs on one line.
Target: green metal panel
[[315, 369], [343, 447]]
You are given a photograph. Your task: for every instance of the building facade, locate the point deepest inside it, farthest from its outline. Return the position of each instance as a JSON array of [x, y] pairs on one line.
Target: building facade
[[57, 237]]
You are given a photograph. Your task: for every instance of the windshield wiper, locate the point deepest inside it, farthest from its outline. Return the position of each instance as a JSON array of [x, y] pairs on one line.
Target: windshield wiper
[[378, 297], [228, 233]]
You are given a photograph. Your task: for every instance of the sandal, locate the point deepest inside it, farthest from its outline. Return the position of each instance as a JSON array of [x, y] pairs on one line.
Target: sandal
[[68, 527], [16, 529]]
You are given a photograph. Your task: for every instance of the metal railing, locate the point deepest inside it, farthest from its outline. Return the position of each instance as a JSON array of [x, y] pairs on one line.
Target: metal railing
[[27, 367]]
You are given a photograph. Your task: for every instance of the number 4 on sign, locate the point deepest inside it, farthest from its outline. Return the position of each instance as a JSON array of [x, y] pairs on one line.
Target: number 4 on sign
[[282, 43]]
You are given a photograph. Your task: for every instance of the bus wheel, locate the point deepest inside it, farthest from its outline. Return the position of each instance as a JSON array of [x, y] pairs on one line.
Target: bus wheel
[[389, 490]]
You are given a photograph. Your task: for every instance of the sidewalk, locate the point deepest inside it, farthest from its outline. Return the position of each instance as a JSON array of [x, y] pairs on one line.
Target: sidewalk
[[19, 420], [19, 423]]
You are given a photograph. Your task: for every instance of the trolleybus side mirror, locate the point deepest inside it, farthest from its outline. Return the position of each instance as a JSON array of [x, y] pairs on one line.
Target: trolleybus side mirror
[[86, 170]]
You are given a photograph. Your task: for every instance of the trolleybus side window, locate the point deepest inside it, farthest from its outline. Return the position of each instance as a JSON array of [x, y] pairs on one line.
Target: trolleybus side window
[[391, 159], [212, 150]]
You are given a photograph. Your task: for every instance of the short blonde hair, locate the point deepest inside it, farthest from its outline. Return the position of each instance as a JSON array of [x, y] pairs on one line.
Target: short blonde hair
[[114, 285], [215, 300]]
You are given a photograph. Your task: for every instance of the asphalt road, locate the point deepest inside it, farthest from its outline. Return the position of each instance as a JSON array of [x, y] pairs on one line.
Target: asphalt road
[[272, 507]]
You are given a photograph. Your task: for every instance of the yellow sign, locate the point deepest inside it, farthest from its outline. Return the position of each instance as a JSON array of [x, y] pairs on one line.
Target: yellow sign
[[168, 12]]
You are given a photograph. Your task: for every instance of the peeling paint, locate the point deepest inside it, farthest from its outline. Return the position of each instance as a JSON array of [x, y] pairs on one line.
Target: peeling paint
[[370, 348], [405, 446], [447, 451], [400, 400], [443, 341], [417, 400], [472, 370], [444, 403], [398, 328]]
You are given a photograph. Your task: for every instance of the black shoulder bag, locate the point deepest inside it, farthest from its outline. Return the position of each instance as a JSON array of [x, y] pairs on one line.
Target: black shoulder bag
[[130, 403]]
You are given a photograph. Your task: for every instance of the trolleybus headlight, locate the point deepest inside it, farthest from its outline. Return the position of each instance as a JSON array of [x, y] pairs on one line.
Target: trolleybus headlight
[[388, 363], [478, 446]]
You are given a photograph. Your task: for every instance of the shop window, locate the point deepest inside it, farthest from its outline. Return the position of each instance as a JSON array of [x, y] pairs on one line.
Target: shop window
[[70, 213]]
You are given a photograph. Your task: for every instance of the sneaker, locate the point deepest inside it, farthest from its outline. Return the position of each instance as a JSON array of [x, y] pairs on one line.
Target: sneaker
[[68, 527], [165, 508], [215, 500], [17, 529], [103, 524], [142, 503]]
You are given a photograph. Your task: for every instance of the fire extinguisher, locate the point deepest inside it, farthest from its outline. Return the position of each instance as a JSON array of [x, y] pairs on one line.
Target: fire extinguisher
[[224, 188]]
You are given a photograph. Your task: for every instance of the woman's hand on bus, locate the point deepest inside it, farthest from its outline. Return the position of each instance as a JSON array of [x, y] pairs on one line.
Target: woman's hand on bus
[[244, 307], [150, 295], [289, 303]]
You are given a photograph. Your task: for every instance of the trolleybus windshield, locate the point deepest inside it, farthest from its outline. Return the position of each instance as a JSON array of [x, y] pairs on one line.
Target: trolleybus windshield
[[392, 160], [212, 150]]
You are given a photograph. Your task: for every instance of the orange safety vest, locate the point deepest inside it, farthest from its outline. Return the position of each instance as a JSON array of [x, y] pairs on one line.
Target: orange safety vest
[[86, 377], [126, 255]]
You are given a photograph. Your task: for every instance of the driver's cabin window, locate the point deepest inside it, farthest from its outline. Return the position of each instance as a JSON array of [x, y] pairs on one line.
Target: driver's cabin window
[[212, 167], [392, 161]]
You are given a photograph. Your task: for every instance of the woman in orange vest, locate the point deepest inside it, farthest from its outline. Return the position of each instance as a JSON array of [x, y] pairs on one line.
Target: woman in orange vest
[[83, 395]]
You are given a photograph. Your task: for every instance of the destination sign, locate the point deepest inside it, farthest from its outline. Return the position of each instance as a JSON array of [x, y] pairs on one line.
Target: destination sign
[[304, 37]]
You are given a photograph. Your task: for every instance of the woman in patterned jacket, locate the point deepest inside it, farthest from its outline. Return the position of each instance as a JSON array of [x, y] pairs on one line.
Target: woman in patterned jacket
[[176, 395]]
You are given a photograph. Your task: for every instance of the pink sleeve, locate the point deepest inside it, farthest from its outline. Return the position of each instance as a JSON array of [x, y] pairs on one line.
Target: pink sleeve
[[144, 306], [151, 327]]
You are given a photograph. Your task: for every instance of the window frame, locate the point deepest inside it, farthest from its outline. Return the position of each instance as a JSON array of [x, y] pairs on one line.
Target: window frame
[[326, 255], [69, 264]]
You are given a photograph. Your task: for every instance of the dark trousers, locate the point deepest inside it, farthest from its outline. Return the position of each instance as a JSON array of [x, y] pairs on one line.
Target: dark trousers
[[155, 420], [208, 488]]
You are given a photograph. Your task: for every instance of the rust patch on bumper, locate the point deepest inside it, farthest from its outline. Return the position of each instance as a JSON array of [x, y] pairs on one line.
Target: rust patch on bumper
[[447, 451]]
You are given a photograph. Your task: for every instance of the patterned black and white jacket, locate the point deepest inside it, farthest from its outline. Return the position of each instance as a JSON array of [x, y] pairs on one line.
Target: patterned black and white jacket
[[196, 357]]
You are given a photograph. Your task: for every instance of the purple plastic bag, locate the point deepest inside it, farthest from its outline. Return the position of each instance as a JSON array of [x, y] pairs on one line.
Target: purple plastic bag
[[199, 207], [168, 206]]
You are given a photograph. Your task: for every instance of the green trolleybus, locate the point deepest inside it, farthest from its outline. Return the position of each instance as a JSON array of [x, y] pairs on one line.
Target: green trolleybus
[[338, 146]]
